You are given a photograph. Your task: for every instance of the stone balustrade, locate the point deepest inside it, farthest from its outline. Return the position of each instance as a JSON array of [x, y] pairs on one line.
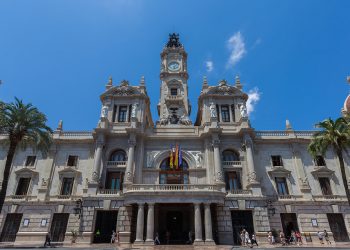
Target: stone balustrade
[[110, 192], [172, 187], [328, 197], [233, 164], [239, 192], [116, 163]]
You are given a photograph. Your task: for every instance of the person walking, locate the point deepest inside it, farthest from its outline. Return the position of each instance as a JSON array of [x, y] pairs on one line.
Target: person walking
[[246, 238], [320, 237], [326, 236], [270, 238], [241, 235], [47, 240], [113, 237], [253, 240], [282, 238], [156, 239], [189, 238], [298, 237]]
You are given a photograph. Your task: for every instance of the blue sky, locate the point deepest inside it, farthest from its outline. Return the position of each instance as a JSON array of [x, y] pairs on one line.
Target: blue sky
[[58, 55]]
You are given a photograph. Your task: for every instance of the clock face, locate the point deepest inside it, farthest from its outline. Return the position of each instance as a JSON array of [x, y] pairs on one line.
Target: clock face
[[173, 66]]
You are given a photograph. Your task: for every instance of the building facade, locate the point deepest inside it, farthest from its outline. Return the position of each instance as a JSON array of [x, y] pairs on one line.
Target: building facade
[[199, 183]]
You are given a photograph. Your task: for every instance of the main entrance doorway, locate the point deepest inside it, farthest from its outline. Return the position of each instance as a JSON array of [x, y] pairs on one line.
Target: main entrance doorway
[[241, 220], [289, 223], [59, 227], [10, 229], [337, 225], [106, 222], [174, 223]]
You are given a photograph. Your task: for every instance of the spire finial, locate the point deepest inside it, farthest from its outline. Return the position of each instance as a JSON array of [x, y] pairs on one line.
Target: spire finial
[[288, 126], [110, 83], [348, 79], [60, 125], [142, 81], [238, 82]]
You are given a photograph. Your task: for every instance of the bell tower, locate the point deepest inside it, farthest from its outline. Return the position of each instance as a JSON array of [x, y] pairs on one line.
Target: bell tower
[[174, 107]]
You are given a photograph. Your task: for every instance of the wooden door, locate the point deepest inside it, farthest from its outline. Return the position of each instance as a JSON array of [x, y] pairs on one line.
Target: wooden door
[[11, 226], [59, 227]]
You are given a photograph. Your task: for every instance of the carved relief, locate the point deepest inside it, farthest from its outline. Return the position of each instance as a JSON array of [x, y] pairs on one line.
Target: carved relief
[[151, 155], [197, 155]]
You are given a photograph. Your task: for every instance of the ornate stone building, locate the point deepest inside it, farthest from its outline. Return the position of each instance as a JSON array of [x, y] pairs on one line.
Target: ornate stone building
[[173, 178]]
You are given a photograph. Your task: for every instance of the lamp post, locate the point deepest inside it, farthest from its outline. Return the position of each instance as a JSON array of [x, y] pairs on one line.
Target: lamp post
[[78, 208], [270, 209]]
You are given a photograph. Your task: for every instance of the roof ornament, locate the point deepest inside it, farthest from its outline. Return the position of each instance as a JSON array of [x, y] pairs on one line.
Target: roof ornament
[[124, 83], [222, 82], [110, 83], [142, 81], [60, 126], [174, 41], [238, 82], [288, 126]]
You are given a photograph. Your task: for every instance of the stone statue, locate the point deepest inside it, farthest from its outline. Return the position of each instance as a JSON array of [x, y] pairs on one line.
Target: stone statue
[[213, 110], [163, 121], [133, 110], [243, 110], [185, 120], [104, 111]]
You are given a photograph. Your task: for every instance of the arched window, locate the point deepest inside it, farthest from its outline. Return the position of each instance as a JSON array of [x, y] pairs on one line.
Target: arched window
[[118, 155], [173, 175], [229, 155]]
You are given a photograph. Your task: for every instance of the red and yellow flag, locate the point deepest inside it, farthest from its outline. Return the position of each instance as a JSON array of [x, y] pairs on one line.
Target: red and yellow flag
[[171, 163], [176, 162]]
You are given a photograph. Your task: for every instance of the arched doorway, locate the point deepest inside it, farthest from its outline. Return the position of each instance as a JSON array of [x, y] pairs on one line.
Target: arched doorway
[[173, 175]]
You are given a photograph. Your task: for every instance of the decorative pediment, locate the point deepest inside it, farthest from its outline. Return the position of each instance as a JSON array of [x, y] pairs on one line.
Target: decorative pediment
[[69, 171], [124, 89], [26, 172], [279, 172], [223, 89], [322, 172]]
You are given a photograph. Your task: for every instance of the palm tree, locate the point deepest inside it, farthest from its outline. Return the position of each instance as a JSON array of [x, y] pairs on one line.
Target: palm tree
[[26, 127], [335, 135]]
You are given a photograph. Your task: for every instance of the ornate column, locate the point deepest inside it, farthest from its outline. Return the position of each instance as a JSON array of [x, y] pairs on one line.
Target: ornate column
[[217, 162], [129, 167], [252, 179], [197, 223], [208, 224], [140, 223], [150, 223], [98, 161]]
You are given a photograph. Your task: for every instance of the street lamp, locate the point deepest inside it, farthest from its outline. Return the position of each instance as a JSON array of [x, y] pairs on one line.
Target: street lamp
[[270, 209], [78, 207]]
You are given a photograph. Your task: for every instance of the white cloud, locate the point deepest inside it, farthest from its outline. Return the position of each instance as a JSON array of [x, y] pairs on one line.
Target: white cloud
[[209, 65], [253, 98], [237, 49]]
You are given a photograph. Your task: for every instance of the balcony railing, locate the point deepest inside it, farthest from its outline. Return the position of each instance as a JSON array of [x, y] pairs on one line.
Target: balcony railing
[[64, 197], [285, 197], [174, 97], [327, 197], [228, 164], [172, 187], [239, 192], [116, 163], [19, 196], [110, 191]]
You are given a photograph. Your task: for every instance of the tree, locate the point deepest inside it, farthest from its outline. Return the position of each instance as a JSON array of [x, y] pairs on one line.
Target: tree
[[25, 127], [335, 135]]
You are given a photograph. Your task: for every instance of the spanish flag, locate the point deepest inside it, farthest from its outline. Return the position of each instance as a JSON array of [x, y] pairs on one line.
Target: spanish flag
[[171, 163], [176, 162]]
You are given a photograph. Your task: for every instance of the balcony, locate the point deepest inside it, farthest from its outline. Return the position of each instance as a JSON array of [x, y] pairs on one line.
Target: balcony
[[239, 192], [172, 187], [110, 192], [174, 98], [233, 164], [116, 163], [328, 197]]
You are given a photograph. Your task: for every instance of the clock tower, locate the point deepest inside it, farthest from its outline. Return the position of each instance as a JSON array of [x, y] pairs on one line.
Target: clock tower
[[174, 106]]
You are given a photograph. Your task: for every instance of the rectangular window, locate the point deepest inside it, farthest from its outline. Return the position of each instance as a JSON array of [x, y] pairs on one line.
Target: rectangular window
[[115, 108], [115, 180], [67, 186], [30, 160], [72, 161], [225, 113], [319, 161], [325, 185], [233, 112], [122, 113], [173, 92], [23, 186], [281, 185], [276, 160], [233, 181]]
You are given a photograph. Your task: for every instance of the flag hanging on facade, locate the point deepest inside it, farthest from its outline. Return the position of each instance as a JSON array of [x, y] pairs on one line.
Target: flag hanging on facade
[[176, 162], [180, 156], [171, 163]]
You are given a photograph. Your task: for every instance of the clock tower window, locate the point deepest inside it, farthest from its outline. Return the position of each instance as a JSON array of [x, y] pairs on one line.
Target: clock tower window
[[122, 113], [173, 91]]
